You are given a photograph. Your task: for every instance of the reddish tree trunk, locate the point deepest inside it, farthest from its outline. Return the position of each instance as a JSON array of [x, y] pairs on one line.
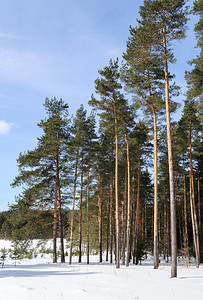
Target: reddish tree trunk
[[73, 208], [170, 163]]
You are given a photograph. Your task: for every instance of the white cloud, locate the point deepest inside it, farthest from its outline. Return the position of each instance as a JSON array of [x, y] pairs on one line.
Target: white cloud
[[5, 127], [6, 35], [14, 63]]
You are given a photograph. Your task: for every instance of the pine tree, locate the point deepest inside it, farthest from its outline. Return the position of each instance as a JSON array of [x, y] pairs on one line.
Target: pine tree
[[192, 123], [165, 21], [181, 148], [194, 80], [195, 76], [143, 75], [139, 143], [43, 170], [127, 117], [106, 163], [108, 87], [91, 146], [78, 142]]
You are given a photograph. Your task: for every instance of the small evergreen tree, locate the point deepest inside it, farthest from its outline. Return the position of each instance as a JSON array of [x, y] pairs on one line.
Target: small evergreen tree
[[3, 255]]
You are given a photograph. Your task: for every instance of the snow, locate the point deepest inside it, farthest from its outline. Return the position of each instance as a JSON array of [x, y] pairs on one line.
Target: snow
[[40, 279]]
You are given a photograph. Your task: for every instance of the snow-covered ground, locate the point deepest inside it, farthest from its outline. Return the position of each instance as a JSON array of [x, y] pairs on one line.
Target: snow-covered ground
[[40, 279]]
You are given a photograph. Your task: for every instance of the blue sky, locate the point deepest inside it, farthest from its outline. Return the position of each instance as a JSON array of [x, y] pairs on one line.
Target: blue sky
[[54, 49]]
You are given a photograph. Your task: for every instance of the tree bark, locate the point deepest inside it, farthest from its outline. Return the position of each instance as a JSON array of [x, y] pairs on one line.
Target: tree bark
[[100, 217], [116, 190], [73, 208], [145, 218], [61, 226], [124, 211], [111, 220], [88, 193], [185, 235], [107, 229], [156, 248], [165, 223], [55, 228], [137, 217], [58, 191], [192, 204], [199, 201], [129, 203], [168, 231], [170, 163], [80, 221], [133, 236]]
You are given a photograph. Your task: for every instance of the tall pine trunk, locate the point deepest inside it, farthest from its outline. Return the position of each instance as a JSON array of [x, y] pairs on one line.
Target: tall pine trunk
[[199, 201], [124, 210], [185, 235], [129, 202], [138, 207], [156, 249], [55, 227], [61, 227], [133, 236], [168, 230], [170, 163], [59, 203], [116, 190], [100, 216], [111, 219], [145, 218], [73, 208], [165, 223], [88, 193], [80, 218], [192, 204], [107, 225]]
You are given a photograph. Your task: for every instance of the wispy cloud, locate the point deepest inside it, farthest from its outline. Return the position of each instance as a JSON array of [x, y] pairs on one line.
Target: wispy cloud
[[8, 36], [28, 68], [11, 62], [5, 127]]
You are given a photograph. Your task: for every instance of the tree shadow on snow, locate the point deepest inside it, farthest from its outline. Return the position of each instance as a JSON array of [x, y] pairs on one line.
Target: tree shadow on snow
[[41, 271], [191, 277]]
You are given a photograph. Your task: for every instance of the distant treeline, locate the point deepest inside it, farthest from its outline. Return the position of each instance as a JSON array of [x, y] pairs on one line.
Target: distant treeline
[[32, 224]]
